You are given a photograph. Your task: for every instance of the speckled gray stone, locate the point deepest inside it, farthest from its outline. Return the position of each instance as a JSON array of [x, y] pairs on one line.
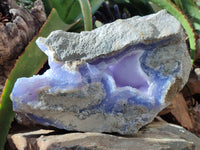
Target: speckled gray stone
[[155, 136], [115, 78]]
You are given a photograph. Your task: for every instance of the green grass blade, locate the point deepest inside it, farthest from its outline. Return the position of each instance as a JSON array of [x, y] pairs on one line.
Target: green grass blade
[[192, 11], [95, 4], [171, 8], [179, 4], [70, 10], [198, 3], [67, 9], [87, 14], [27, 65]]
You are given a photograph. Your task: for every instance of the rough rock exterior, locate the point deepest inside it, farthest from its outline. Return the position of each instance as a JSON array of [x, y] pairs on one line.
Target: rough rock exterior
[[115, 78], [155, 136]]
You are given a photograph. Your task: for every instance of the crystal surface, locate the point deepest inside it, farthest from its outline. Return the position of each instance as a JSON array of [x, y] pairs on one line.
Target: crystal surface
[[116, 78]]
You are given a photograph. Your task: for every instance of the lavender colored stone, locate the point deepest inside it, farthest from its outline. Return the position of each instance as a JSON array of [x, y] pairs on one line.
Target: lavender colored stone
[[116, 78]]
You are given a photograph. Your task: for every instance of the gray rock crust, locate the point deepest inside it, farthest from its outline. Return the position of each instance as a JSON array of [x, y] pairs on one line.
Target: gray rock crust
[[104, 40], [156, 136], [77, 93]]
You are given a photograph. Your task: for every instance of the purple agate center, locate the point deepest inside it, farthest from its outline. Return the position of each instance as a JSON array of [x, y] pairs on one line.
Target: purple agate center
[[124, 69], [127, 72]]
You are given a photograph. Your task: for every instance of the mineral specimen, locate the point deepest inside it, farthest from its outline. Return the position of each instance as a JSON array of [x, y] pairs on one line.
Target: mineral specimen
[[115, 78]]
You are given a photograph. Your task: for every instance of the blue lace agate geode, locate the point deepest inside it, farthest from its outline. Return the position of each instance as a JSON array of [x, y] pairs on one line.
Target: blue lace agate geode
[[115, 78]]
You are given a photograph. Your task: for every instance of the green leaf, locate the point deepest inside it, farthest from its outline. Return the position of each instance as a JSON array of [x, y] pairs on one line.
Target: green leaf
[[179, 4], [47, 6], [198, 3], [64, 9], [70, 10], [192, 11], [87, 14], [171, 8], [119, 1], [95, 4], [27, 65]]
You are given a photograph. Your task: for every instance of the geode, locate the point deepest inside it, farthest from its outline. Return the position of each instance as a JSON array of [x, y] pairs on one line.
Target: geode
[[115, 78]]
